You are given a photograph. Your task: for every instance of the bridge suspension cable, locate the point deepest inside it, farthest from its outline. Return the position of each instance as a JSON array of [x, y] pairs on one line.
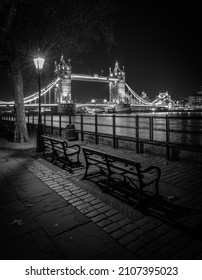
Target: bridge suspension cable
[[139, 98], [35, 95]]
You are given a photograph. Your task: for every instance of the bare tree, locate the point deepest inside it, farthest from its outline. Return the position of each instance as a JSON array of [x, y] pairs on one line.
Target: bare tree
[[52, 26]]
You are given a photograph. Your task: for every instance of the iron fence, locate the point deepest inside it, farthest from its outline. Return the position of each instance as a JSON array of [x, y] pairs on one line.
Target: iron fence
[[182, 131]]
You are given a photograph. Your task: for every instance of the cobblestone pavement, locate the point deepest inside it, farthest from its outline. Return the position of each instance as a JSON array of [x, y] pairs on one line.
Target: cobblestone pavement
[[49, 213]]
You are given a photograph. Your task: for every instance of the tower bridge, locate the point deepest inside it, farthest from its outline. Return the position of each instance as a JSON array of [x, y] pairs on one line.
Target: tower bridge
[[58, 93]]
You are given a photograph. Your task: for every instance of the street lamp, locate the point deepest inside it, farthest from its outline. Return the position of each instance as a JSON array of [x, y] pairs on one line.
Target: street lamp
[[39, 62]]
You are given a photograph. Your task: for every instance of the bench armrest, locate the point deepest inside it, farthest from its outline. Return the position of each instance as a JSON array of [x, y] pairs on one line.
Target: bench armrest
[[74, 146], [150, 168]]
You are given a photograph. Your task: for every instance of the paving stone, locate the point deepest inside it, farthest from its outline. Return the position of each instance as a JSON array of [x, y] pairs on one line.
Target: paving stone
[[149, 237], [80, 194], [11, 229], [143, 254], [8, 197], [13, 207], [104, 223], [104, 209], [135, 245], [117, 253], [182, 255], [60, 220], [64, 193], [168, 237], [112, 227], [95, 201], [73, 199], [118, 233], [87, 210], [125, 221], [99, 205], [33, 189], [86, 196], [31, 246], [195, 247], [130, 227], [80, 243], [154, 246], [53, 185], [98, 218], [89, 199], [77, 203], [126, 239], [76, 191], [84, 205], [168, 251], [181, 241], [45, 203], [117, 217], [111, 212], [57, 188], [93, 214]]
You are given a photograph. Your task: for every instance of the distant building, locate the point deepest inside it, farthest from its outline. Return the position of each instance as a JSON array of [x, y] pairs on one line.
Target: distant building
[[195, 101]]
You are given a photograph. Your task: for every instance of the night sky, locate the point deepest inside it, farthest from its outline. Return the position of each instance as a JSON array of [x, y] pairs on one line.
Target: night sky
[[159, 45]]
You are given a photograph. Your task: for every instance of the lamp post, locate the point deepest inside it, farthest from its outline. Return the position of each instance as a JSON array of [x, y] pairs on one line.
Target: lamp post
[[39, 62]]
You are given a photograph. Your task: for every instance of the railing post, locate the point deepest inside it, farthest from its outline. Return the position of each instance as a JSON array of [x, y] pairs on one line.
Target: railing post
[[70, 119], [137, 133], [115, 144], [167, 137], [151, 128], [82, 138], [60, 125], [33, 125], [44, 121], [139, 144], [137, 126], [52, 123], [28, 118], [96, 134]]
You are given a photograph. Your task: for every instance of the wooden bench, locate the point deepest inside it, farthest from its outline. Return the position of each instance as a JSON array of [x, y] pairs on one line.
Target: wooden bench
[[120, 170], [59, 150]]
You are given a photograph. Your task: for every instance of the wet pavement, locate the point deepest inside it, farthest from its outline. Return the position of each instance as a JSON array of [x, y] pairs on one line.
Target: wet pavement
[[49, 213]]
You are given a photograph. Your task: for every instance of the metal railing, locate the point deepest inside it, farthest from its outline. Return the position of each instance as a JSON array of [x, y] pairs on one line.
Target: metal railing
[[182, 131]]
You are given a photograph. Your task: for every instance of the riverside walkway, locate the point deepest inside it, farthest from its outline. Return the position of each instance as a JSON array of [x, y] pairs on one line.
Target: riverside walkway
[[48, 213]]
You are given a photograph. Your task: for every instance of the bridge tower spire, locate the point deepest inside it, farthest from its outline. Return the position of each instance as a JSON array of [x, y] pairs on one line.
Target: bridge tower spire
[[117, 89]]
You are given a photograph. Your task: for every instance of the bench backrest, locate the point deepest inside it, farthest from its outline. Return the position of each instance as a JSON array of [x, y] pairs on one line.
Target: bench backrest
[[110, 158], [55, 141]]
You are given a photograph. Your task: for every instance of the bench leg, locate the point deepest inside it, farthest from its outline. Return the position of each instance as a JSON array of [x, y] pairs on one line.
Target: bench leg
[[86, 172], [157, 188], [64, 163], [78, 161]]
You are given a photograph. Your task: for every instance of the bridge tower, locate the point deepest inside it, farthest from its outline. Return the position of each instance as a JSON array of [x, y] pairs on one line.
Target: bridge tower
[[63, 70], [117, 89]]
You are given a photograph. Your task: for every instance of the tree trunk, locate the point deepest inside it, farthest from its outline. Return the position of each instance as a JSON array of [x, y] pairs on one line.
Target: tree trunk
[[21, 133]]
